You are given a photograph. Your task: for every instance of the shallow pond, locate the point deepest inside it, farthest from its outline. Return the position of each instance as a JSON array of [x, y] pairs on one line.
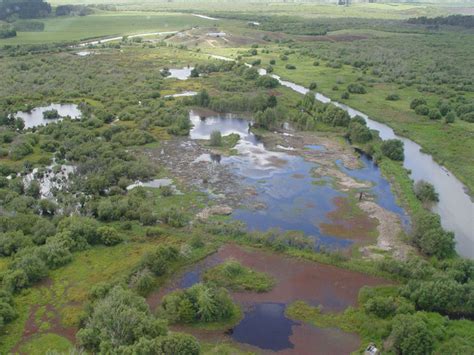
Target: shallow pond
[[35, 117], [264, 324], [287, 196]]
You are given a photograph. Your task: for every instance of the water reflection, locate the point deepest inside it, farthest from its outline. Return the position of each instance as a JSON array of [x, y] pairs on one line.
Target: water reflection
[[287, 196], [265, 326]]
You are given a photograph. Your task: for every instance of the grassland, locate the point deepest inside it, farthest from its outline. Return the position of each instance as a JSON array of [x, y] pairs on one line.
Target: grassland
[[102, 24]]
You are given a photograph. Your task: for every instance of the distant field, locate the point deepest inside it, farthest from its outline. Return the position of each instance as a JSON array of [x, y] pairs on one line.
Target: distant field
[[104, 24], [295, 8]]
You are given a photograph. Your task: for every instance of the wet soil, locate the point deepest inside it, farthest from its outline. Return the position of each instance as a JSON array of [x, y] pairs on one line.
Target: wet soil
[[347, 221]]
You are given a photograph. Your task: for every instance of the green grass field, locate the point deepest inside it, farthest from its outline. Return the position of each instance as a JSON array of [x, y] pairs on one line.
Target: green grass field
[[102, 24]]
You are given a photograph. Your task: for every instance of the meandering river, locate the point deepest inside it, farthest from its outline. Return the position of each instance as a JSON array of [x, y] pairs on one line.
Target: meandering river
[[455, 206]]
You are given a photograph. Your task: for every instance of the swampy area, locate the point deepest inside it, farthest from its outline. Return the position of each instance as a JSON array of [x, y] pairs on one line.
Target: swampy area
[[192, 181]]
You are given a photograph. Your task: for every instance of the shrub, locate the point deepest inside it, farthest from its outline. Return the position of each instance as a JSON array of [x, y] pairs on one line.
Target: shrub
[[430, 238], [174, 217], [159, 260], [166, 190], [290, 67], [434, 114], [392, 97], [216, 139], [20, 149], [199, 303], [51, 114], [272, 61], [381, 306], [194, 73], [450, 117], [109, 236], [313, 86], [426, 192], [142, 281], [345, 95], [356, 89], [120, 318], [411, 335], [316, 63], [268, 82], [468, 117], [359, 133], [179, 343], [232, 275], [54, 254], [422, 110], [417, 102], [393, 149]]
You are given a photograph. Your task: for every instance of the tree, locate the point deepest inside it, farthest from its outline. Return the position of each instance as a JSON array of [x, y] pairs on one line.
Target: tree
[[411, 335], [393, 149]]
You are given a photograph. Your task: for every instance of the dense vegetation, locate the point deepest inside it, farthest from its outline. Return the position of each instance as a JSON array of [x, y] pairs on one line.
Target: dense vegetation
[[24, 9], [90, 212]]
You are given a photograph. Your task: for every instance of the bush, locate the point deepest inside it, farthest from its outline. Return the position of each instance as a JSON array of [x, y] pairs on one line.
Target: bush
[[431, 238], [381, 306], [199, 303], [411, 335], [468, 117], [272, 61], [356, 89], [216, 139], [426, 192], [434, 114], [159, 260], [450, 117], [422, 110], [417, 102], [359, 133], [51, 114], [121, 318], [174, 217], [290, 67], [345, 95], [109, 236], [393, 149], [268, 82], [392, 97], [313, 86], [179, 343], [142, 281], [20, 149]]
